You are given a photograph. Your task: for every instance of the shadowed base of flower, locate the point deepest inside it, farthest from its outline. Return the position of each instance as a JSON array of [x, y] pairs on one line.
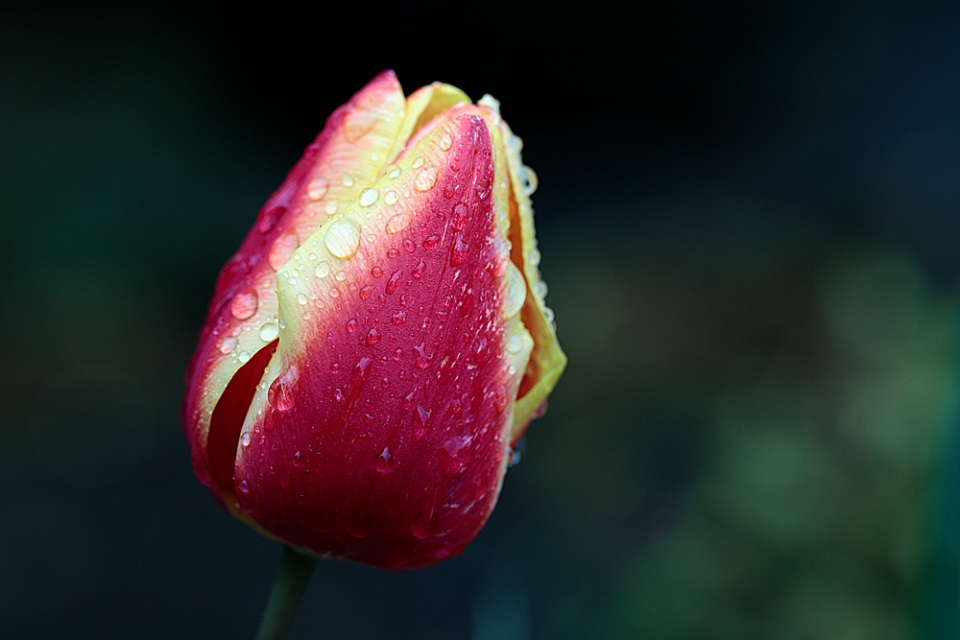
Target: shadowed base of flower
[[293, 576]]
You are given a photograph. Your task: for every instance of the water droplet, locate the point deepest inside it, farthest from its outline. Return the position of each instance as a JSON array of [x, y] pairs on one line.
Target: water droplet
[[244, 304], [419, 162], [331, 208], [298, 460], [318, 188], [540, 289], [393, 253], [282, 249], [384, 460], [398, 223], [368, 197], [245, 440], [456, 407], [516, 291], [459, 217], [409, 245], [397, 355], [335, 367], [534, 256], [352, 325], [244, 357], [425, 179], [340, 276], [431, 242], [418, 270], [420, 420], [302, 298], [347, 180], [244, 487], [269, 331], [460, 252], [373, 337], [399, 318], [376, 272], [453, 456], [338, 394], [284, 389], [385, 383], [407, 403], [391, 197], [446, 142], [228, 344], [322, 270], [515, 344], [342, 239], [360, 371], [530, 180], [548, 314], [366, 292], [423, 360], [334, 293], [393, 282], [393, 172]]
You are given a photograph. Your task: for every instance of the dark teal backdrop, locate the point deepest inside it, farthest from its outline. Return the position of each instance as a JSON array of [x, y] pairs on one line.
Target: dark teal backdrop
[[749, 224]]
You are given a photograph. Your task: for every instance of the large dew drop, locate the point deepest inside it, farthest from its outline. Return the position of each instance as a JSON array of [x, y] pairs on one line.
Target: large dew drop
[[282, 249], [244, 305], [425, 179], [342, 239], [516, 291], [398, 223]]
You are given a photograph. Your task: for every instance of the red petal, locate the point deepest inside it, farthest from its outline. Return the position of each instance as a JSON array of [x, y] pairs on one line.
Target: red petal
[[384, 434]]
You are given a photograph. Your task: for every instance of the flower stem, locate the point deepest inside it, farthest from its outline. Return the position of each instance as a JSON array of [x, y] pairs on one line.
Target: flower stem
[[292, 579]]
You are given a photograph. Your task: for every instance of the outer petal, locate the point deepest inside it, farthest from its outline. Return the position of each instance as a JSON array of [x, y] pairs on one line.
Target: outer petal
[[380, 431], [548, 360], [242, 318]]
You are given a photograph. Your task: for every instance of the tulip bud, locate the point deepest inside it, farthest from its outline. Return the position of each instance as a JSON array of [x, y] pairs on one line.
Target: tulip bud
[[380, 340]]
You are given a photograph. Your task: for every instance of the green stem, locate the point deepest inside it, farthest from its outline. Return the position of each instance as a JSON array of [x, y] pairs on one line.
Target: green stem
[[292, 579]]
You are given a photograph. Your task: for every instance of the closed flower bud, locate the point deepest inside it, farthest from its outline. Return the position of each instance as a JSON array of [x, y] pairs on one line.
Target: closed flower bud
[[380, 342]]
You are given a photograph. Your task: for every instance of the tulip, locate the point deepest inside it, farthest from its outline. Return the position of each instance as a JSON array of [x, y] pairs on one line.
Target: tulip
[[380, 342]]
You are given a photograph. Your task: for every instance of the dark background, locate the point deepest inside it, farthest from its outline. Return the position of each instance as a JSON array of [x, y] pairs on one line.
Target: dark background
[[748, 214]]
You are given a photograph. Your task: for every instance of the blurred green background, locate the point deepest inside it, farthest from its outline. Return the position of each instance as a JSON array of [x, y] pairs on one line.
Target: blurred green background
[[748, 218]]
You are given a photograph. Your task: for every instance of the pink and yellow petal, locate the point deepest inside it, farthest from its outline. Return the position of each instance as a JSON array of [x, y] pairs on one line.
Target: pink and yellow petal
[[243, 318], [390, 374]]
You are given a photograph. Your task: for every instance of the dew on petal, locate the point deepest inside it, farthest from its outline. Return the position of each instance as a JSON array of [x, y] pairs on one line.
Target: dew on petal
[[322, 270], [269, 331], [366, 292], [283, 391], [516, 291], [342, 239], [419, 162], [515, 344], [244, 304], [283, 249], [347, 180], [530, 181], [244, 357], [318, 188], [245, 440], [393, 172], [431, 242], [373, 337], [446, 142], [368, 197], [228, 344], [425, 179], [331, 208], [384, 461], [391, 197], [398, 223]]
